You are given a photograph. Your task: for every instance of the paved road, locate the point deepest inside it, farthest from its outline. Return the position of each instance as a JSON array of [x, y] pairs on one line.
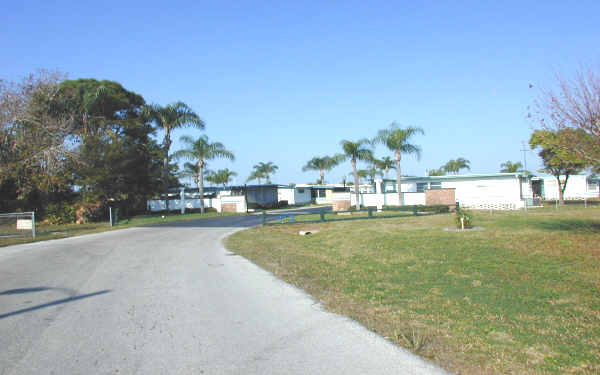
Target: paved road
[[171, 300]]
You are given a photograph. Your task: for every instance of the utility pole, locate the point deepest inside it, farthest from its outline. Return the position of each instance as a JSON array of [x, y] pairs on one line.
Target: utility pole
[[524, 150]]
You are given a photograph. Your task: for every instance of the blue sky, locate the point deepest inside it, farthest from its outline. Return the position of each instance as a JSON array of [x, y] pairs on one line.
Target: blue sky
[[286, 81]]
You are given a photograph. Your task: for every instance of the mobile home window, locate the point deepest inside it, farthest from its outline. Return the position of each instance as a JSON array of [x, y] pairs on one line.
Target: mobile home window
[[592, 185], [435, 185], [300, 191], [421, 186]]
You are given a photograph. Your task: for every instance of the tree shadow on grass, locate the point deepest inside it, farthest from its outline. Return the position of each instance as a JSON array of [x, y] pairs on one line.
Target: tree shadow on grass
[[570, 225]]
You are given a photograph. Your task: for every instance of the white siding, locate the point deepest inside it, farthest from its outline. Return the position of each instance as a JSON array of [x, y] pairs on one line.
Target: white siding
[[303, 197], [576, 188], [490, 190]]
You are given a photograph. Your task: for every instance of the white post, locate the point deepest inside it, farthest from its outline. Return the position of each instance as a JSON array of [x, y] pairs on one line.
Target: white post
[[33, 224], [182, 199], [110, 215], [379, 194]]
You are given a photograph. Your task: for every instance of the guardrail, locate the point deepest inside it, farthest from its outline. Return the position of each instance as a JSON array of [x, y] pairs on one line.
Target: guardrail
[[365, 213]]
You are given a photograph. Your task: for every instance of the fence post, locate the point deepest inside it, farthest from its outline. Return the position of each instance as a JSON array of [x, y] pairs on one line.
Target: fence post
[[322, 214], [415, 210], [33, 224], [264, 218], [110, 218], [370, 210]]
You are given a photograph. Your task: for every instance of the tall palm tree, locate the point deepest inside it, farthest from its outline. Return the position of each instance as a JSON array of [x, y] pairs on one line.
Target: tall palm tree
[[168, 118], [355, 151], [321, 164], [510, 167], [385, 164], [396, 140], [265, 170], [200, 150], [454, 166]]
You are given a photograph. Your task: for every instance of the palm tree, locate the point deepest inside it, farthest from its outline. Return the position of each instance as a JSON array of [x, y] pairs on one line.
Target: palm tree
[[454, 166], [321, 164], [372, 172], [173, 116], [385, 164], [510, 167], [255, 175], [200, 150], [355, 151], [396, 140], [190, 170], [263, 170], [223, 176], [437, 172]]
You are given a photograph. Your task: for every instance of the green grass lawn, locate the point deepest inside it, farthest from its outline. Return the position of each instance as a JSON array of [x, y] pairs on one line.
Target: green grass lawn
[[521, 296], [48, 232]]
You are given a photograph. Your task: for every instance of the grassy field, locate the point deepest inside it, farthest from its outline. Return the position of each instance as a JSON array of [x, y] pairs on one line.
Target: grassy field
[[521, 296], [48, 232]]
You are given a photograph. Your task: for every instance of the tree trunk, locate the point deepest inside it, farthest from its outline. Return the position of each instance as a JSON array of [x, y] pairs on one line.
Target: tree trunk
[[561, 189], [356, 184], [201, 184], [397, 157], [322, 177], [166, 169]]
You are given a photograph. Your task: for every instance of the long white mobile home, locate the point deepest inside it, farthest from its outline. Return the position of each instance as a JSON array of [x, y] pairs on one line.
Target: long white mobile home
[[495, 190], [579, 187]]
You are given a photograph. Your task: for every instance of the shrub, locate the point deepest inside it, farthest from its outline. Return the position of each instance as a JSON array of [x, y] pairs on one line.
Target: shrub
[[59, 213], [467, 219], [90, 211]]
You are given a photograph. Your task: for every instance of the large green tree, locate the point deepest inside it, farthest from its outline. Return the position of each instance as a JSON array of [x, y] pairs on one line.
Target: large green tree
[[573, 105], [397, 139], [117, 158], [322, 164], [200, 151], [356, 151], [558, 161], [168, 118]]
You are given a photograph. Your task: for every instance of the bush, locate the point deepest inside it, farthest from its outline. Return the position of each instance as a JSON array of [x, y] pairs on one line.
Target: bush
[[467, 219], [57, 213], [90, 211]]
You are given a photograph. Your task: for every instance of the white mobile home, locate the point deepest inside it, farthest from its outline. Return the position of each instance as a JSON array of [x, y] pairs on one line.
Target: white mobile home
[[579, 187], [294, 195], [480, 191]]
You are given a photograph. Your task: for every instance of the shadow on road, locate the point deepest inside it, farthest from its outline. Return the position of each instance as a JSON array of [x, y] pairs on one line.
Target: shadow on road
[[53, 303]]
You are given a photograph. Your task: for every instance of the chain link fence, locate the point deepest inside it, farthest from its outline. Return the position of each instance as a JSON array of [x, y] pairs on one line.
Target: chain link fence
[[17, 224]]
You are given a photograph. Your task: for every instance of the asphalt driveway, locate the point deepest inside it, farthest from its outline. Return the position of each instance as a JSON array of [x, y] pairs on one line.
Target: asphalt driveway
[[170, 299]]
